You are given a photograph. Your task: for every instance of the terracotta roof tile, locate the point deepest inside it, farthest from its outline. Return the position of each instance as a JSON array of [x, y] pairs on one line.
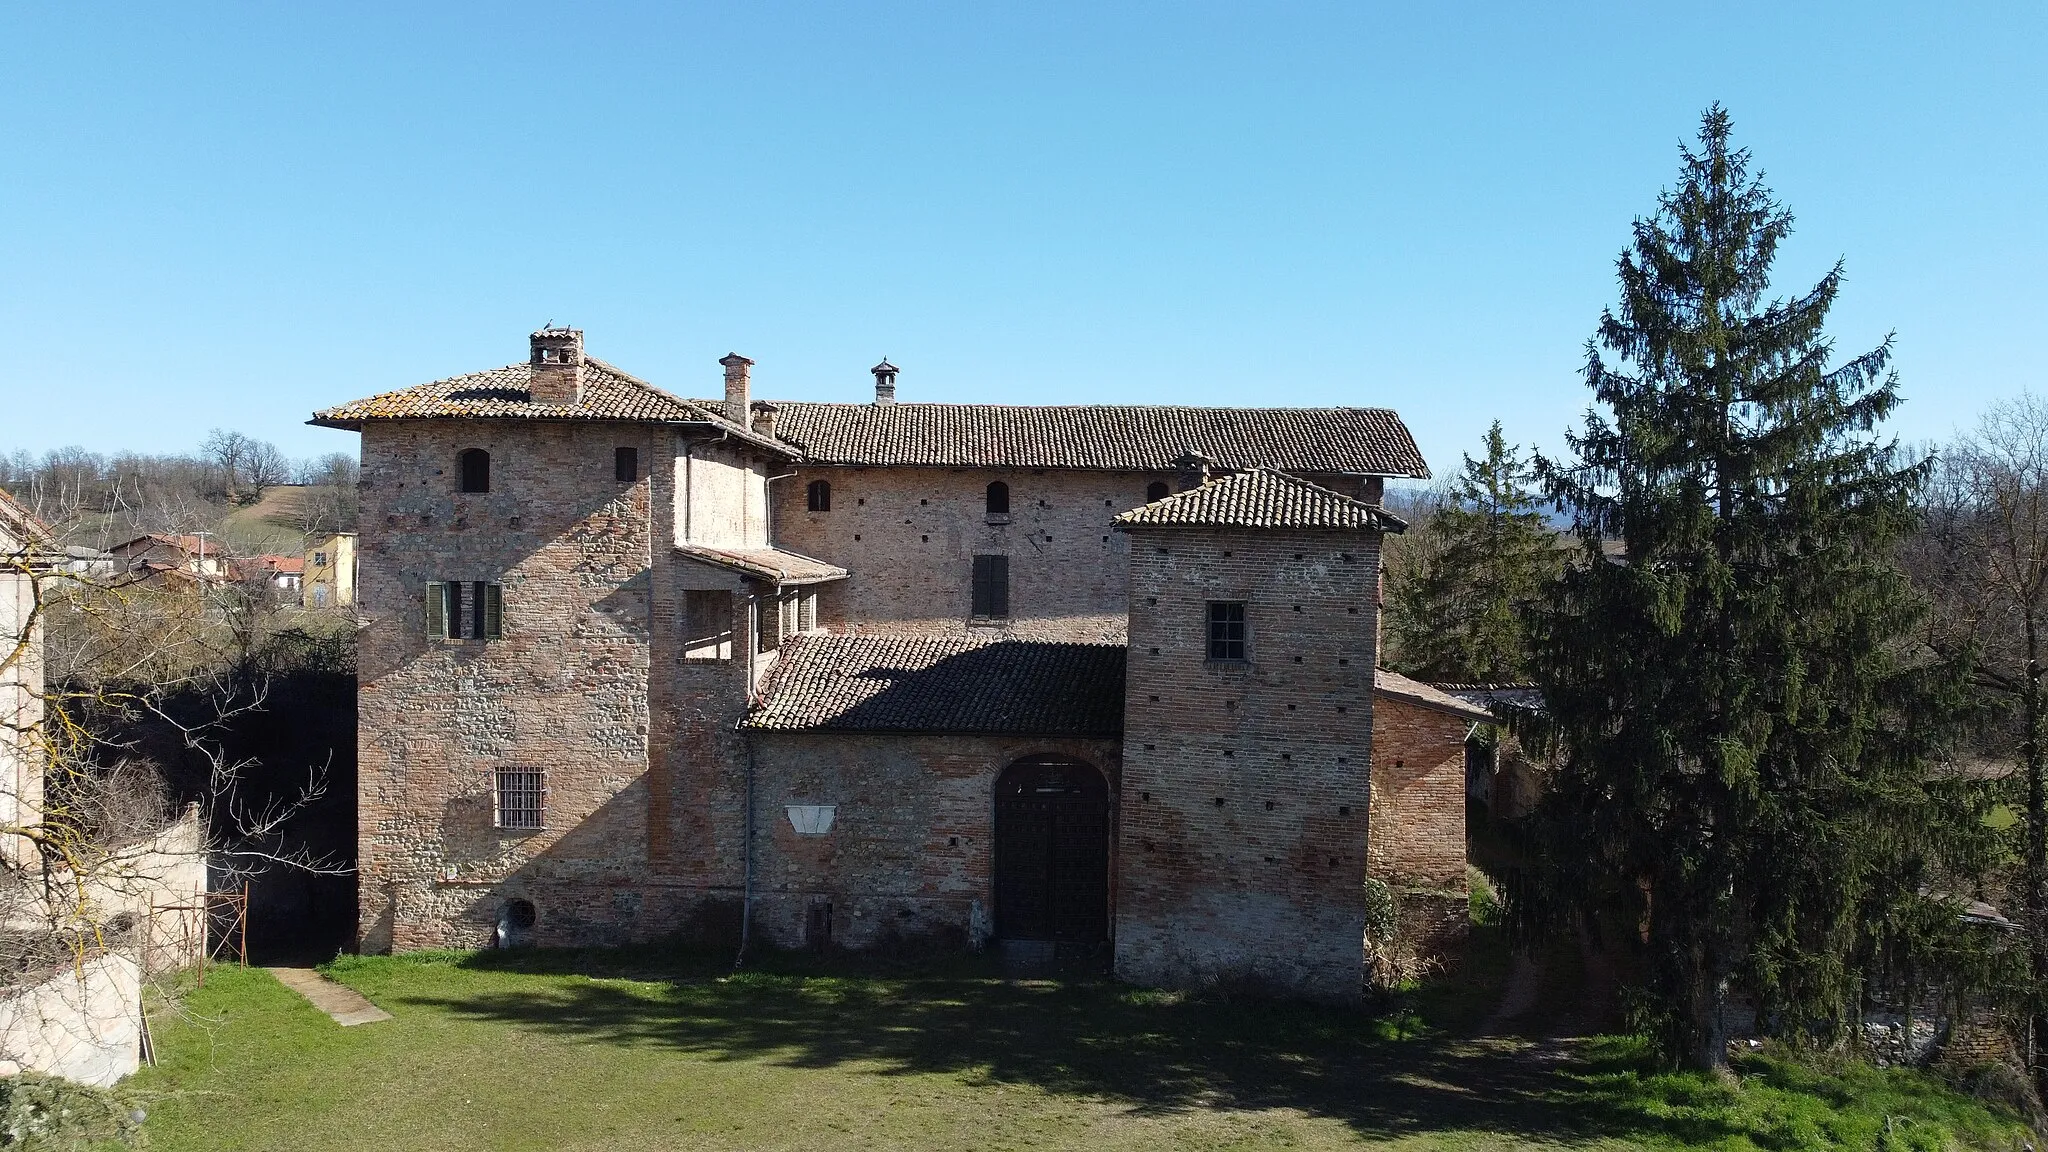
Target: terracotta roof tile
[[1261, 498], [779, 565], [1119, 437], [1394, 684], [608, 394], [943, 684]]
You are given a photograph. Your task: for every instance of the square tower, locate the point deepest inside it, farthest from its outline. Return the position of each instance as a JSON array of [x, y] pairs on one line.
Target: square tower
[[1248, 735]]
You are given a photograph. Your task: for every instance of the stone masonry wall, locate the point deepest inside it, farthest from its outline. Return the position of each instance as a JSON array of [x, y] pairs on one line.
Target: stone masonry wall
[[909, 853], [565, 690], [1246, 786], [909, 536]]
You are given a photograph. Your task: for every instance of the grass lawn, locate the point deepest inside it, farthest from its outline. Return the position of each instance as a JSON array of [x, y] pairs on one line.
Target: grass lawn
[[633, 1050]]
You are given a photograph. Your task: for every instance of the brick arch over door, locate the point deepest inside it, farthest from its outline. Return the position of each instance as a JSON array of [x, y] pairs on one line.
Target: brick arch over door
[[1052, 851]]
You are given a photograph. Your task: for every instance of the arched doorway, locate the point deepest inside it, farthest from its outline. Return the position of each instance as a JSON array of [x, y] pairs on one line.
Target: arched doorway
[[1052, 851]]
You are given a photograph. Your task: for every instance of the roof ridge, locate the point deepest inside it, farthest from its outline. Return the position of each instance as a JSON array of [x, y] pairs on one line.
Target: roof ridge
[[902, 404]]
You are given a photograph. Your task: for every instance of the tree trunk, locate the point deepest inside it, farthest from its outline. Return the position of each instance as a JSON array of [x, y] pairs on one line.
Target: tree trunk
[[2037, 832]]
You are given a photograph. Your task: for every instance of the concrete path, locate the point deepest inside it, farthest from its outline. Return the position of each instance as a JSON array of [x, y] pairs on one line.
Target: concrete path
[[345, 1004]]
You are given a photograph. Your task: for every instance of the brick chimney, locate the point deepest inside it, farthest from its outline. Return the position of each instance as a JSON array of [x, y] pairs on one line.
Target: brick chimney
[[764, 418], [557, 362], [885, 382], [736, 367], [1194, 470]]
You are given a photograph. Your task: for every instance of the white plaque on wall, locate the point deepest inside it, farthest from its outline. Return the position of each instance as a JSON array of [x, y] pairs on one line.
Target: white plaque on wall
[[812, 819]]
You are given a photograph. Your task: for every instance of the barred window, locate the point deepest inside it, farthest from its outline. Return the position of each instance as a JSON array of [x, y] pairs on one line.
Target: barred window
[[1226, 630], [521, 794]]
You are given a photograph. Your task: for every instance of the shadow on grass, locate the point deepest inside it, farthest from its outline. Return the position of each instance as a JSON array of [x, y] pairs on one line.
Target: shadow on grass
[[1151, 1051]]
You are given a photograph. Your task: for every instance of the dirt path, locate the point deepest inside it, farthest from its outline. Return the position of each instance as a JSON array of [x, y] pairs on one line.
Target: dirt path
[[346, 1005]]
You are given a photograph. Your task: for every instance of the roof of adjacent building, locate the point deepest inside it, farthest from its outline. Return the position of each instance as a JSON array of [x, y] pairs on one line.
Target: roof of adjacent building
[[1118, 437], [1389, 683], [776, 564], [23, 529], [608, 394], [1261, 498], [943, 684], [1498, 698], [192, 545]]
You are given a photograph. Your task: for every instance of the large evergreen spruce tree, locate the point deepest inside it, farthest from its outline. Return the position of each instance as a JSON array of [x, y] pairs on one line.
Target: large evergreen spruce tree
[[1456, 611], [1742, 741]]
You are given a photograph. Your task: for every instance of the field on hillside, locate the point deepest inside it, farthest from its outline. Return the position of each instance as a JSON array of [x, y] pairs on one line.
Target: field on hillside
[[598, 1050]]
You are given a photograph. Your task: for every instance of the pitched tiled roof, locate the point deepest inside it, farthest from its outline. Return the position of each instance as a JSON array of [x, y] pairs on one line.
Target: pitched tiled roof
[[1400, 687], [608, 394], [19, 527], [943, 684], [783, 567], [1119, 437], [1261, 498], [1498, 698]]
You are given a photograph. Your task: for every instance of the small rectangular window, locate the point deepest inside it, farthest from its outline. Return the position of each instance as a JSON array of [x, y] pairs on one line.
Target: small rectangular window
[[707, 625], [320, 559], [991, 594], [521, 797], [626, 463], [465, 609], [1226, 630]]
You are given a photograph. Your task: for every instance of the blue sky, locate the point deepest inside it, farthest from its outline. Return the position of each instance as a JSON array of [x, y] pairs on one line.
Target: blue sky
[[232, 215]]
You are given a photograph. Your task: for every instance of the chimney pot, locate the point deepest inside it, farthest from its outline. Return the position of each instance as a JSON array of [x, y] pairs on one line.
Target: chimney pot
[[736, 367], [885, 382], [1194, 470], [555, 360]]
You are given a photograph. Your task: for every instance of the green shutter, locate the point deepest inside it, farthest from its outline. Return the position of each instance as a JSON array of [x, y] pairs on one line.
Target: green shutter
[[494, 611], [437, 609]]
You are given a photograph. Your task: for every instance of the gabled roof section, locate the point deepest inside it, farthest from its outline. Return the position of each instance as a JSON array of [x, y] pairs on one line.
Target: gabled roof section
[[1261, 498], [943, 684], [21, 528], [1116, 437], [506, 393], [772, 564], [1386, 683]]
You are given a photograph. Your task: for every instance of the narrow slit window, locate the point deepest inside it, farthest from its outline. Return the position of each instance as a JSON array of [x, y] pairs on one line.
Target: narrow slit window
[[998, 498], [991, 594], [818, 496], [625, 464], [1226, 630], [475, 466], [522, 795]]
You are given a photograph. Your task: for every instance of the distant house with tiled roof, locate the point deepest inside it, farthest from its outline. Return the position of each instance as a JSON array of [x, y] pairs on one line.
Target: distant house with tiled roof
[[1099, 679]]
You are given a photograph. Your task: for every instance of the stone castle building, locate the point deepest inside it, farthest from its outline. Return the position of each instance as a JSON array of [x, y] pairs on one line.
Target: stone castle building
[[1092, 677]]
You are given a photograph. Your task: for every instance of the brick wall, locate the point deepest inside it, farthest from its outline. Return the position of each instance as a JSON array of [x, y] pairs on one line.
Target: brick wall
[[1418, 795], [909, 536], [1245, 787], [587, 613], [909, 853]]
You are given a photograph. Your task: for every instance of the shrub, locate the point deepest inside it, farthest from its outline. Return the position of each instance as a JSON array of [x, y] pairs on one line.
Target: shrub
[[46, 1114]]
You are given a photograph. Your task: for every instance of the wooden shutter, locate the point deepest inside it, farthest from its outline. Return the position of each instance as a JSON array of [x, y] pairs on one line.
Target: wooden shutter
[[437, 609], [991, 585], [494, 611]]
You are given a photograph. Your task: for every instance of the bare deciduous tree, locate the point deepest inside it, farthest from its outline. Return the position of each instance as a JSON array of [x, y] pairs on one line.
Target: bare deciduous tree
[[1983, 560]]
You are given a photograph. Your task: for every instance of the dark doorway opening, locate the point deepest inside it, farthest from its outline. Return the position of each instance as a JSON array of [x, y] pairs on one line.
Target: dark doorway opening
[[1052, 852]]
